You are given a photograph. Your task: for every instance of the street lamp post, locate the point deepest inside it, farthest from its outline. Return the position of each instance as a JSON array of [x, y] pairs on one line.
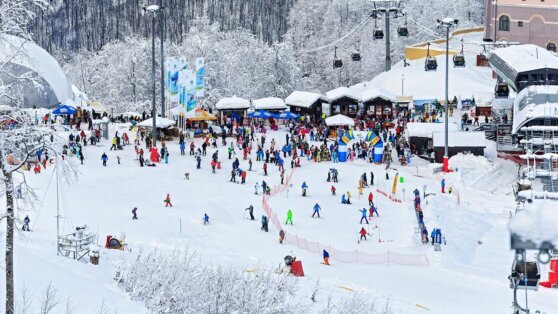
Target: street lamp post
[[447, 23], [154, 10]]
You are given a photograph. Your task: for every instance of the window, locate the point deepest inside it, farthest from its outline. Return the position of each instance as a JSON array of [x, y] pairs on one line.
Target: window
[[519, 23], [551, 47], [504, 23]]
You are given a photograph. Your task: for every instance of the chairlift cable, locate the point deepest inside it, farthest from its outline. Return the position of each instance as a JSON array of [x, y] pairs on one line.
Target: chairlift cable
[[40, 208], [339, 39]]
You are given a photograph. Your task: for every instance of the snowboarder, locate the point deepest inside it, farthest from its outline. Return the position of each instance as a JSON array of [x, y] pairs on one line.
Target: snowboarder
[[363, 233], [325, 254], [250, 210], [363, 211], [317, 209], [205, 219], [333, 189], [134, 213], [104, 158], [168, 201], [370, 199], [26, 222], [304, 188], [289, 217], [443, 185]]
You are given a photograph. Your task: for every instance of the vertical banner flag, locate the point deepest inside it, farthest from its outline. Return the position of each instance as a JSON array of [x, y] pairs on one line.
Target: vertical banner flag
[[200, 77], [190, 93], [394, 186]]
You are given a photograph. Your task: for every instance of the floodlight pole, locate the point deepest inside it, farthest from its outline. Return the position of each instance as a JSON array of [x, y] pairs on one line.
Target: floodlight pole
[[388, 43], [162, 39]]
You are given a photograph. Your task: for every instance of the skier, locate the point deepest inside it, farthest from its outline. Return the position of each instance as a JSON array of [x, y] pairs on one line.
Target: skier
[[317, 209], [371, 178], [265, 224], [233, 176], [265, 169], [333, 190], [250, 164], [118, 159], [325, 254], [250, 210], [433, 235], [242, 176], [363, 233], [205, 219], [443, 185], [348, 197], [168, 201], [370, 199], [281, 236], [198, 160], [182, 148], [289, 217], [104, 158], [304, 188], [363, 211], [134, 213], [282, 177], [26, 222], [256, 188], [213, 165]]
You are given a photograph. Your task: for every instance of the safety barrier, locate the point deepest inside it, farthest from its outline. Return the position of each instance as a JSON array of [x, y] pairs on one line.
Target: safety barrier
[[335, 254]]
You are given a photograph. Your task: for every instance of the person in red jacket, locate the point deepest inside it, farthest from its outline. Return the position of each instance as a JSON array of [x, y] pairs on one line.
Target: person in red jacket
[[370, 199], [213, 165], [168, 201], [333, 189], [363, 233]]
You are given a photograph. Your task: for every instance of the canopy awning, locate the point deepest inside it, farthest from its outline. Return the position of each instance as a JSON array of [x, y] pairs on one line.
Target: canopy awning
[[339, 120], [64, 110]]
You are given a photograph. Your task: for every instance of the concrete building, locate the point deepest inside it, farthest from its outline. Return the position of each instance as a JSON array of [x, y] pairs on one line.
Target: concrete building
[[524, 21]]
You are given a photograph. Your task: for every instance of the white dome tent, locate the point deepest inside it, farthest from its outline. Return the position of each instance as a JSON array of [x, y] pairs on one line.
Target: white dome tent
[[21, 56]]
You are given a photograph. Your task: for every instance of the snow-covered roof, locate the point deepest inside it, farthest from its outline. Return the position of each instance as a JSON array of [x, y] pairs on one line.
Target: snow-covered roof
[[339, 120], [417, 129], [373, 92], [483, 99], [534, 102], [25, 53], [304, 99], [232, 103], [538, 222], [341, 92], [269, 103], [459, 139], [523, 58], [160, 122]]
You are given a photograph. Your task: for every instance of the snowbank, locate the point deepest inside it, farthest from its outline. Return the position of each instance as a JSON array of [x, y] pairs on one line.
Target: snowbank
[[538, 222]]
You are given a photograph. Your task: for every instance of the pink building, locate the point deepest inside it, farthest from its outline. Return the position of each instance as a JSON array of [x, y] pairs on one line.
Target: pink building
[[524, 21]]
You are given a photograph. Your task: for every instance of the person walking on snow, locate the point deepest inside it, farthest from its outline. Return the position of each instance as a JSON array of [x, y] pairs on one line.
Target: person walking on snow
[[134, 213], [289, 217], [205, 219], [325, 254], [363, 234], [363, 211], [370, 199], [250, 210], [304, 188], [104, 158], [443, 185], [168, 201], [317, 209]]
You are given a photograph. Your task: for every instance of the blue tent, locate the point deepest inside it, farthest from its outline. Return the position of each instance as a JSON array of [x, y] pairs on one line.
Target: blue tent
[[287, 115], [64, 110], [262, 114]]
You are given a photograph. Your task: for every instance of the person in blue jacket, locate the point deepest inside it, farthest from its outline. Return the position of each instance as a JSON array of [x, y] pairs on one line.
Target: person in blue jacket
[[326, 257], [343, 200], [304, 188], [363, 212], [317, 209], [443, 185], [205, 219], [104, 158], [433, 235]]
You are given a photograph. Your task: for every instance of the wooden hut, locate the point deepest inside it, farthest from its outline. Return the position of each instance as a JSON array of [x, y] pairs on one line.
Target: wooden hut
[[306, 104]]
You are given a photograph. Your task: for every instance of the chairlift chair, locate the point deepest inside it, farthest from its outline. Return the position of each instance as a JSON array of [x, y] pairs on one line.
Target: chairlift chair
[[502, 90], [356, 55], [430, 63], [403, 31], [459, 58], [378, 32], [337, 63], [521, 270]]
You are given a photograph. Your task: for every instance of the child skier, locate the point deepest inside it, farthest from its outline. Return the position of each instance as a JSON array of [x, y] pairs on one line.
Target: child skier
[[370, 199], [363, 233], [205, 219], [326, 257], [281, 236], [250, 210], [134, 213], [363, 211], [333, 190], [443, 185], [348, 197], [373, 210], [304, 188], [26, 222], [168, 201], [289, 217], [317, 209], [264, 224], [104, 158], [256, 188]]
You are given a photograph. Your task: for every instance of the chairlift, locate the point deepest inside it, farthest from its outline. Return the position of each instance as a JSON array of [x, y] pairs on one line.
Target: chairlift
[[525, 275], [430, 63], [459, 58], [502, 90], [378, 32], [403, 31], [356, 55], [337, 63]]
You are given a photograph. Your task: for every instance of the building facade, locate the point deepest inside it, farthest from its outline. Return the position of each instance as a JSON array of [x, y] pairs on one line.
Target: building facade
[[523, 21]]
